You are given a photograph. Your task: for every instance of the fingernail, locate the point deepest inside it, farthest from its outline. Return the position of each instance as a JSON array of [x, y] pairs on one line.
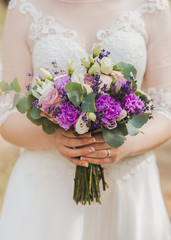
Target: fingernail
[[93, 140], [92, 149], [82, 158], [86, 164]]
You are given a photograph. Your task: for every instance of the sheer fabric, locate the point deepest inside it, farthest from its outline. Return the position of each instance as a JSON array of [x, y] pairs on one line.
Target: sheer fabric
[[135, 31]]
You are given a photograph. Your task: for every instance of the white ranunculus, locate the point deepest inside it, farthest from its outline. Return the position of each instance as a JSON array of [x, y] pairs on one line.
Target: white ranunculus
[[80, 126], [122, 115], [106, 65], [77, 77]]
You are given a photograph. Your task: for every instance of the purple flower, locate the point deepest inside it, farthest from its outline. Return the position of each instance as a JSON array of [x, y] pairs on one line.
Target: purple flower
[[61, 81], [132, 104], [28, 86], [68, 116], [30, 74], [107, 111]]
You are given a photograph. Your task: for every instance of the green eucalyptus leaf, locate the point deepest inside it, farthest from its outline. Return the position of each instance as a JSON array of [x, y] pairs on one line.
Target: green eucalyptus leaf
[[128, 70], [48, 126], [30, 100], [113, 138], [22, 105], [35, 93], [75, 93], [15, 85], [16, 100], [4, 86], [38, 122], [88, 104], [139, 120], [133, 131], [122, 128], [35, 113]]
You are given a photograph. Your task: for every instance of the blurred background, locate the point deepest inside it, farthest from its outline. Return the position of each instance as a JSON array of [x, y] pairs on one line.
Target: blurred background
[[9, 153]]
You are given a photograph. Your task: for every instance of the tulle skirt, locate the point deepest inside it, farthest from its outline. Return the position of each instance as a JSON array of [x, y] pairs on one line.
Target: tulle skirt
[[39, 205]]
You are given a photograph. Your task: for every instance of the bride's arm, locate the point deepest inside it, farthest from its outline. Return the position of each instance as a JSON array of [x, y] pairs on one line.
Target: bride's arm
[[157, 83], [155, 132], [15, 127]]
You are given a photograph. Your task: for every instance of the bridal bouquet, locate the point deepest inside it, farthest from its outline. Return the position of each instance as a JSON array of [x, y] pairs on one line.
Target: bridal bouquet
[[99, 96]]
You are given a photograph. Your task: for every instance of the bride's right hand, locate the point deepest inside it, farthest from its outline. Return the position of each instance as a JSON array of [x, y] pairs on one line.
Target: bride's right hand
[[72, 147]]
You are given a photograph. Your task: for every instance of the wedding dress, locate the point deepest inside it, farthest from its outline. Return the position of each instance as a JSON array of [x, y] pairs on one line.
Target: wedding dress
[[38, 204]]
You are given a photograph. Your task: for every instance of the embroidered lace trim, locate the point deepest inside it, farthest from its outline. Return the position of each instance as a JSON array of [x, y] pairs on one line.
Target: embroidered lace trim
[[42, 26]]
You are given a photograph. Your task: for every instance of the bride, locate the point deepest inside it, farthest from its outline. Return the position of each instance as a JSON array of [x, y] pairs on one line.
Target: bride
[[38, 203]]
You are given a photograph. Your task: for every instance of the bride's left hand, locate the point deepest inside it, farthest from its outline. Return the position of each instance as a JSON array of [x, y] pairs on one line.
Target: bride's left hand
[[104, 154]]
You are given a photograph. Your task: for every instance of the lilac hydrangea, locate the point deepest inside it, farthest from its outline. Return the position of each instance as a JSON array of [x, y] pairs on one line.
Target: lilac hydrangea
[[132, 104], [107, 111], [68, 115], [61, 81]]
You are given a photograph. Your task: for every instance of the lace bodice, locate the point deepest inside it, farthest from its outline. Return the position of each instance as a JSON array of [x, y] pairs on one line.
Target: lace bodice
[[128, 40]]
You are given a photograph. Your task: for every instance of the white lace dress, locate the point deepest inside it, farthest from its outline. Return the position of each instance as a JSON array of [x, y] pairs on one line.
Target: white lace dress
[[38, 203]]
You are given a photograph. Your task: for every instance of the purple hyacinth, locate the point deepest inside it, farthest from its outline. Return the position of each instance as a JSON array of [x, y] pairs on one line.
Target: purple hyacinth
[[133, 104], [68, 116], [107, 111], [61, 81]]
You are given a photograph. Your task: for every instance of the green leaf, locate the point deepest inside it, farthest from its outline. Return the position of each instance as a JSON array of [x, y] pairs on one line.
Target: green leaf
[[30, 100], [75, 93], [139, 120], [88, 105], [122, 128], [133, 131], [22, 105], [141, 95], [35, 113], [48, 126], [4, 86], [15, 85], [113, 138], [35, 121], [35, 94], [128, 70], [16, 100]]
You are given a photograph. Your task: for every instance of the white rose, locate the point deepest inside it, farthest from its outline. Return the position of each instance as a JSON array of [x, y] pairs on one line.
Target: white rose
[[88, 88], [122, 115], [105, 80], [80, 126], [77, 77], [106, 65], [117, 74]]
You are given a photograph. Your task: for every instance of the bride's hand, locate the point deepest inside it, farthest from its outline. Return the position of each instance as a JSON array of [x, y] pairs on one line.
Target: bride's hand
[[104, 154], [72, 147]]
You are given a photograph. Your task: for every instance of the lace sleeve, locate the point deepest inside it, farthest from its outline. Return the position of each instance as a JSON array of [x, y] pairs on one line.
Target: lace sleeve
[[16, 57], [157, 80], [5, 108]]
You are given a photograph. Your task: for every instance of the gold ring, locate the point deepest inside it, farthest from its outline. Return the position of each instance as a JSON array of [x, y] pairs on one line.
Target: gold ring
[[108, 153]]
